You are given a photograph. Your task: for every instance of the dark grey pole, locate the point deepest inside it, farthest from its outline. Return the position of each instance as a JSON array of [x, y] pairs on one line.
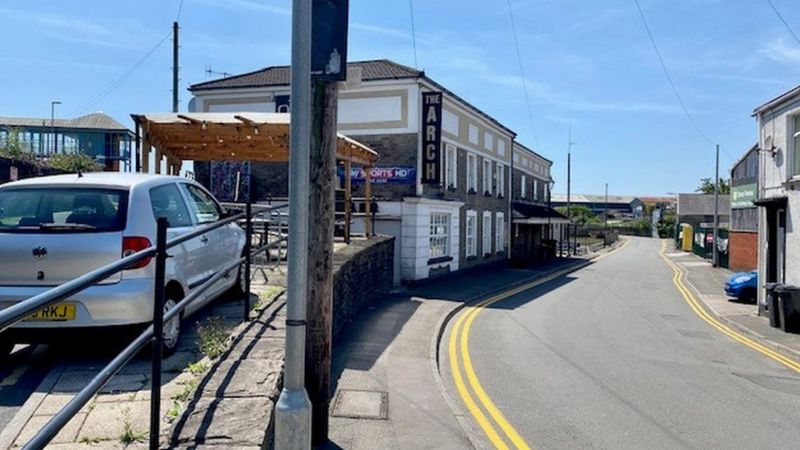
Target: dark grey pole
[[158, 333], [715, 253], [175, 67], [247, 255]]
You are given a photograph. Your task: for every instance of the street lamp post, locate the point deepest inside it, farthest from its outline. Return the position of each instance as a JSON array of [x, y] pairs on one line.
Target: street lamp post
[[53, 104], [550, 184]]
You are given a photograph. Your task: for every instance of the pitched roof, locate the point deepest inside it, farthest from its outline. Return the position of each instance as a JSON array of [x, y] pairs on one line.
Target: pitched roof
[[786, 96], [702, 204], [381, 69], [94, 121]]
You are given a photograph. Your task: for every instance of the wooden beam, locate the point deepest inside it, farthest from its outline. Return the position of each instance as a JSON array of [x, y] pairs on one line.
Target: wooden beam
[[146, 153], [348, 192], [368, 204]]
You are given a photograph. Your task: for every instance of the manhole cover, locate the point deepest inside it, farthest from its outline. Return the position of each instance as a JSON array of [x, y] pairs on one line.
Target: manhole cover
[[356, 404]]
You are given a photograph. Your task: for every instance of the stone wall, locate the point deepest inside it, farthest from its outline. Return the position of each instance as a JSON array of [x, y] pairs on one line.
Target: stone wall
[[362, 271]]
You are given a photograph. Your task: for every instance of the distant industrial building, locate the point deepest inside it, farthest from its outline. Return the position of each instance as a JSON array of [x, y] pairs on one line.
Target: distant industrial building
[[618, 206], [97, 135]]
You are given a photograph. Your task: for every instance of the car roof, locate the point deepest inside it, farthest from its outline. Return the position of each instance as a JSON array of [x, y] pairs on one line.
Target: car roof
[[95, 179]]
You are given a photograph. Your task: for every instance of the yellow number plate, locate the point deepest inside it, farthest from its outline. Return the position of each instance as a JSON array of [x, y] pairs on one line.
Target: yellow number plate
[[60, 312]]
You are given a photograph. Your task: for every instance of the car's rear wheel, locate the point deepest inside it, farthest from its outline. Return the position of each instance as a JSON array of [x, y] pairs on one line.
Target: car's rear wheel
[[238, 288], [172, 330]]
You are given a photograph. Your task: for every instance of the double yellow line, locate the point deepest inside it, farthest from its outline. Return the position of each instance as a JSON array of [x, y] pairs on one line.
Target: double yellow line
[[694, 304], [458, 351]]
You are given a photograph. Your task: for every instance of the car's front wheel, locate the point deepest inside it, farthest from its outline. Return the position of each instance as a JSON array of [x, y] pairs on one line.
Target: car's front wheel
[[171, 331], [748, 296]]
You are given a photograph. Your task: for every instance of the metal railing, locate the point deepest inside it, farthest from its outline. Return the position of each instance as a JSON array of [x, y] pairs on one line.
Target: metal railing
[[153, 334]]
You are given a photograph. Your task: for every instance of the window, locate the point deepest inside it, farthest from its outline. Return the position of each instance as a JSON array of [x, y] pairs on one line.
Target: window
[[501, 179], [451, 166], [487, 233], [487, 176], [472, 173], [500, 226], [438, 240], [523, 186], [488, 140], [796, 168], [472, 233], [204, 207], [535, 190], [167, 202], [62, 210]]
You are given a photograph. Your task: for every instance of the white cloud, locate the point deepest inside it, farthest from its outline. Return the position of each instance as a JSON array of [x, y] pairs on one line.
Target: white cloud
[[779, 50]]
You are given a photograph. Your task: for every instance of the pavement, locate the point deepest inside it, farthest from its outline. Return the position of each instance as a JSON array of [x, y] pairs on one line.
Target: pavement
[[612, 356], [387, 391], [39, 380]]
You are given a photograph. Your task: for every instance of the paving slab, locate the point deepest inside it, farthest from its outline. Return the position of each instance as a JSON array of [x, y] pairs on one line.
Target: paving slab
[[231, 422]]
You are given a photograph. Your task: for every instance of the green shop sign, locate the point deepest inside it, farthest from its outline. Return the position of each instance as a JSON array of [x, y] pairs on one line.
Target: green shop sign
[[743, 196]]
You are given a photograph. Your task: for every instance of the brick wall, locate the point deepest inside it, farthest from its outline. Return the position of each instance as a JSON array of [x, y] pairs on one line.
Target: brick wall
[[743, 251], [362, 272]]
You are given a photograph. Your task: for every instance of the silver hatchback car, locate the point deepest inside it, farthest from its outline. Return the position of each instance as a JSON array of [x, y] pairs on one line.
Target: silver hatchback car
[[56, 228]]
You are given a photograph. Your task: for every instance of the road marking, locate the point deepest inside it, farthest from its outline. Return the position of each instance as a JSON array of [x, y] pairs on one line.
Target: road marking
[[694, 304], [459, 336]]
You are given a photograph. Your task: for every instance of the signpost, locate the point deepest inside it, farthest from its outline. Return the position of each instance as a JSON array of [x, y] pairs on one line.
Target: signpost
[[432, 138]]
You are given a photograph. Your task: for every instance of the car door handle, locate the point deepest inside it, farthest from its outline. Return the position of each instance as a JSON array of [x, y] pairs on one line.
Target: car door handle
[[204, 239]]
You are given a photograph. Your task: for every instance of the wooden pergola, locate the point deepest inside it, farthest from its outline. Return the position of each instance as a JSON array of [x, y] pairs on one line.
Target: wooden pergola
[[246, 136]]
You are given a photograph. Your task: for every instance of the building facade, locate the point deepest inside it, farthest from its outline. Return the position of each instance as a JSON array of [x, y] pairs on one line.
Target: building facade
[[96, 135], [462, 223], [778, 180], [743, 238]]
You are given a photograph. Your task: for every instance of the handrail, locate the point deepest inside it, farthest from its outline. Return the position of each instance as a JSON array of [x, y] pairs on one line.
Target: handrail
[[21, 310]]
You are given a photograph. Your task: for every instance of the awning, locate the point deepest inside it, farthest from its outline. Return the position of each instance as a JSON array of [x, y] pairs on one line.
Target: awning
[[771, 202], [244, 136], [526, 213]]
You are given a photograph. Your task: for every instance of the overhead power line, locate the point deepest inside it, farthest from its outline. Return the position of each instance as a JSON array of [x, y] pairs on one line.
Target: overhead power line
[[522, 75], [785, 24], [413, 32], [122, 78]]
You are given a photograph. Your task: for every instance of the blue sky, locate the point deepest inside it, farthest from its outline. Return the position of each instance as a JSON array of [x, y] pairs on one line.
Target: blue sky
[[588, 64]]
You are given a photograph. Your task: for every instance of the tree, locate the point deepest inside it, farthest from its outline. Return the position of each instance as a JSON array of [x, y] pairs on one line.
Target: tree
[[13, 147], [74, 162], [707, 186], [580, 214]]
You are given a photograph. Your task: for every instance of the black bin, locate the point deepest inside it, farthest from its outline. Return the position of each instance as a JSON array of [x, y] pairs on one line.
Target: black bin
[[772, 304], [789, 307]]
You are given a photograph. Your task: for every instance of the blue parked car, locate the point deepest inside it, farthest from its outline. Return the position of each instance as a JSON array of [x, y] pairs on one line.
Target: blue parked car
[[743, 286]]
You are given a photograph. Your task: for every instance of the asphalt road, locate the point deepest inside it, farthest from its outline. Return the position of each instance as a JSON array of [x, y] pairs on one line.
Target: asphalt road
[[611, 356]]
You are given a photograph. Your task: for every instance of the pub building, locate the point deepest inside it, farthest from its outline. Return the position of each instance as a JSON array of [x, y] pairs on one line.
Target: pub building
[[442, 183]]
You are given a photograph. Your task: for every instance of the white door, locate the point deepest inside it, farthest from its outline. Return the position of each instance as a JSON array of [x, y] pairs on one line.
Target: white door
[[167, 201]]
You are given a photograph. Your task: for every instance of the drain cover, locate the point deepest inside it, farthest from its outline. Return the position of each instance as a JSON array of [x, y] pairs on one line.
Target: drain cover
[[356, 404]]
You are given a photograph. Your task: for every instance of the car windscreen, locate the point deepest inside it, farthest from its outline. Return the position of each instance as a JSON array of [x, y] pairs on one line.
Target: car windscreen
[[62, 210]]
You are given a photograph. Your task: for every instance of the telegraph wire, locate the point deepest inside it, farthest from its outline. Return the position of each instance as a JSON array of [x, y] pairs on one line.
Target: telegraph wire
[[522, 75], [785, 24], [102, 95], [413, 32], [180, 8], [672, 82]]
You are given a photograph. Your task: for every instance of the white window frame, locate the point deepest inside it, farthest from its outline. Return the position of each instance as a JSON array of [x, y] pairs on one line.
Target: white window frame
[[501, 179], [472, 172], [471, 226], [439, 235], [523, 187], [451, 166], [795, 145], [488, 141], [487, 175], [500, 226], [486, 231], [535, 190]]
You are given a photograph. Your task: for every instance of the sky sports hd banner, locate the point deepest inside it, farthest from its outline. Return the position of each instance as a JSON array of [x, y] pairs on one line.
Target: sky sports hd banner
[[381, 175]]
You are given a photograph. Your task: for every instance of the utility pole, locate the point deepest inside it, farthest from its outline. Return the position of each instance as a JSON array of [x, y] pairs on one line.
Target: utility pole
[[175, 67], [53, 104], [569, 188], [293, 410], [605, 211], [715, 253]]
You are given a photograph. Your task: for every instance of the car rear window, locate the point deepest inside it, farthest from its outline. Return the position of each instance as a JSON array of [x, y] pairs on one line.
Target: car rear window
[[62, 210]]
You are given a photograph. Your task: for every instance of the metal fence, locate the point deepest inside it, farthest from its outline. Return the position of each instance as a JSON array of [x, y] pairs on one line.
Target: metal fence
[[153, 334]]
